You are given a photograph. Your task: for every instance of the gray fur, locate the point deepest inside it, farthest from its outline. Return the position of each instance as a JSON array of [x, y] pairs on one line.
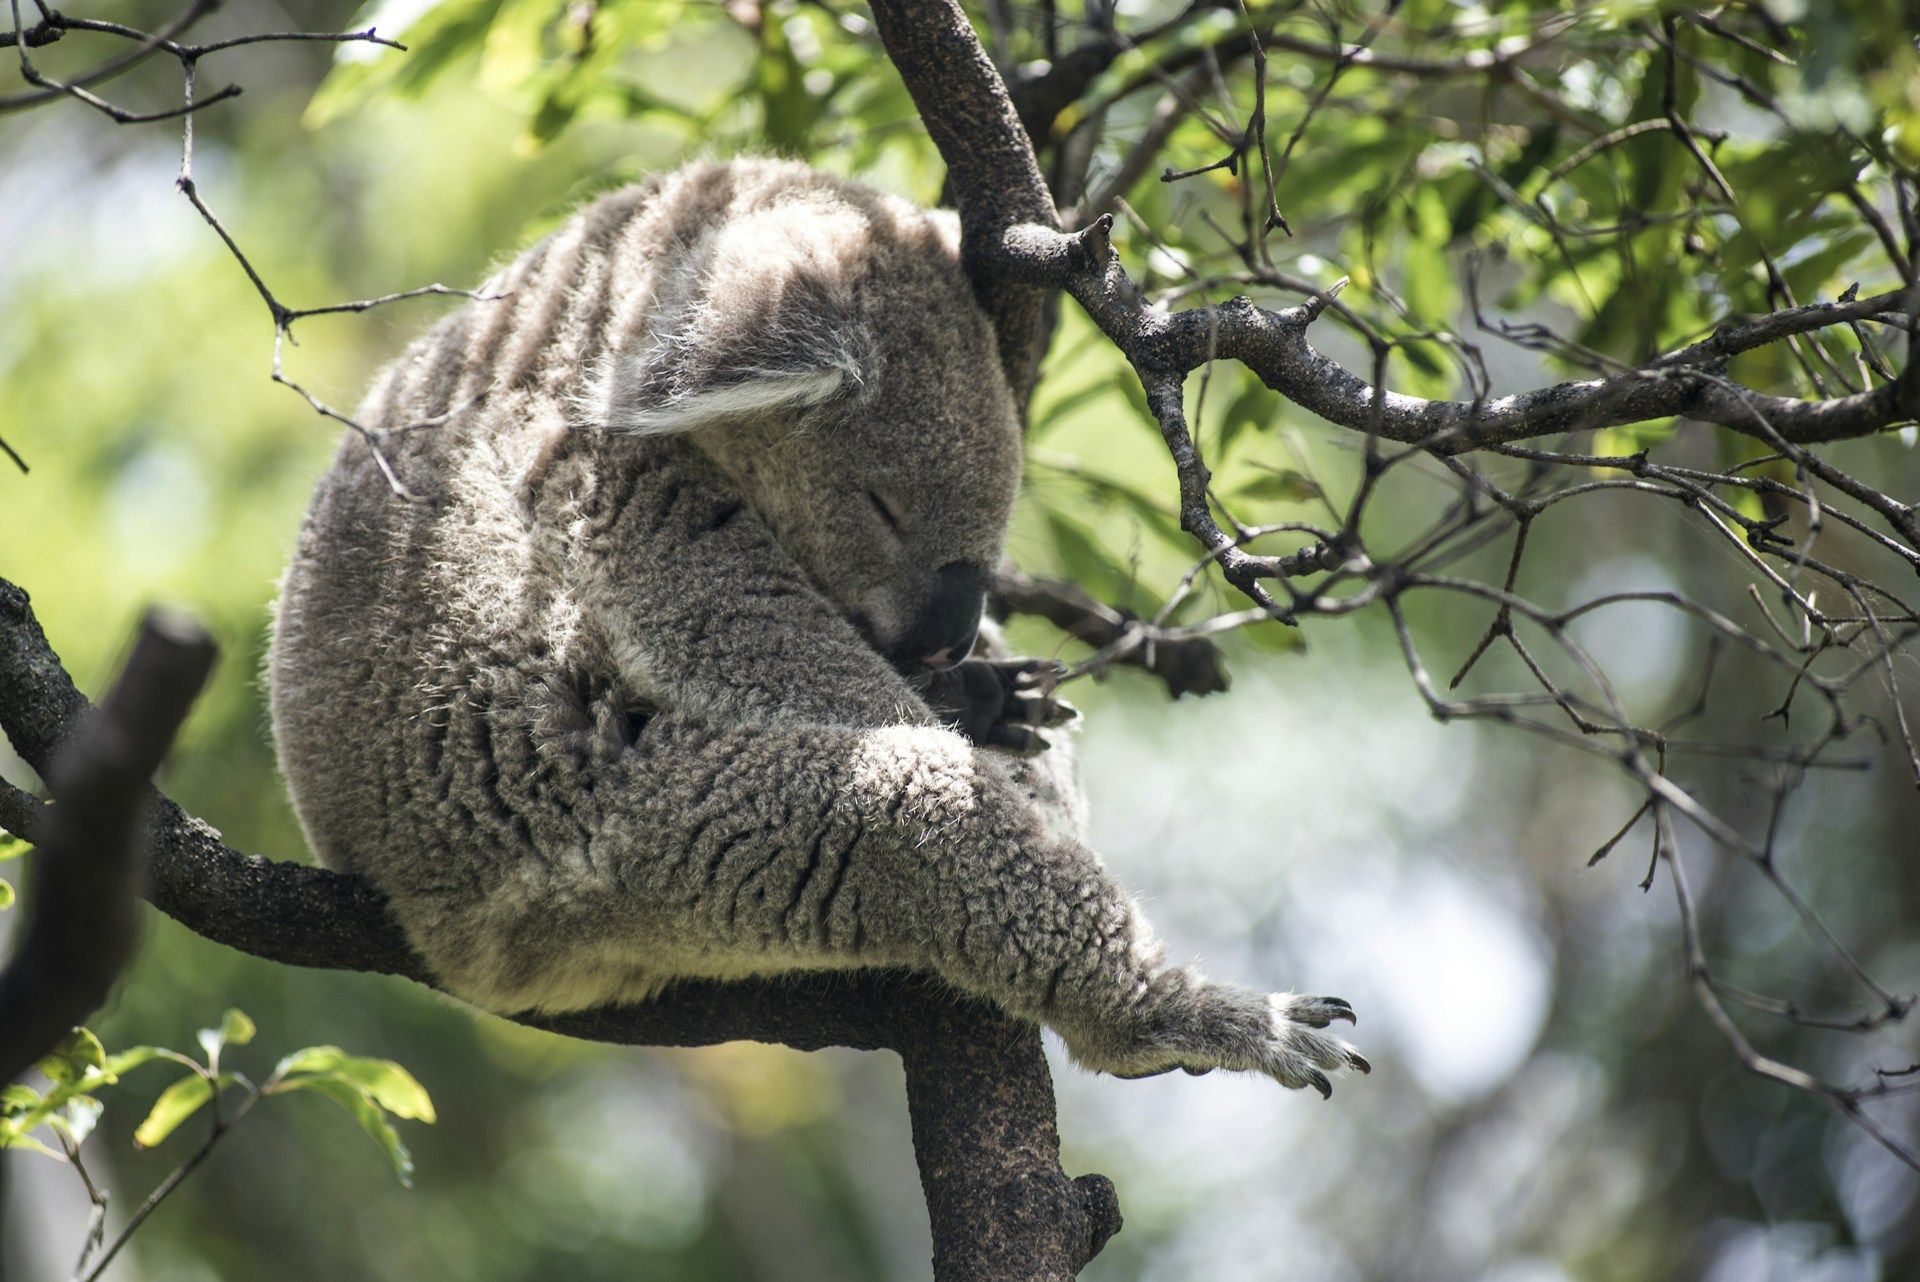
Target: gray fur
[[608, 706]]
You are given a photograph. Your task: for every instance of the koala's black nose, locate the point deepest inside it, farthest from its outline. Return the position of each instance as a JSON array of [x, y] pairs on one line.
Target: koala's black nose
[[948, 621]]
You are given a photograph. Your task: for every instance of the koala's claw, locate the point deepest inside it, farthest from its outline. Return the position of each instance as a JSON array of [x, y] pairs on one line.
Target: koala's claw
[[1000, 703], [1299, 1056], [1318, 1012], [1019, 740]]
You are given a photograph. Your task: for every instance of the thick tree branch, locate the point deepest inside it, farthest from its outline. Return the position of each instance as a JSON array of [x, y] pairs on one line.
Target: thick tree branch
[[1164, 347], [82, 924], [1000, 1203], [1273, 344], [1036, 1225], [992, 171]]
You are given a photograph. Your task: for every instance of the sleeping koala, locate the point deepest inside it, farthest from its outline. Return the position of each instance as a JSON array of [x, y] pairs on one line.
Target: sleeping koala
[[640, 688]]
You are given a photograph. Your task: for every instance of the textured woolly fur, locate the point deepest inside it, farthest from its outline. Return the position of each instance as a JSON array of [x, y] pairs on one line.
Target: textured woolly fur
[[607, 705]]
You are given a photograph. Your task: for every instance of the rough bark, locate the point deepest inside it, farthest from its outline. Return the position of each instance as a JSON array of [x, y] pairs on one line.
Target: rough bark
[[81, 922], [992, 173]]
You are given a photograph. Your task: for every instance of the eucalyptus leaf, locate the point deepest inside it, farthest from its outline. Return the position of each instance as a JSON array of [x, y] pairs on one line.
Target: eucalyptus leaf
[[11, 1138], [365, 1111], [176, 1104], [78, 1053], [235, 1029], [389, 1085], [1280, 483]]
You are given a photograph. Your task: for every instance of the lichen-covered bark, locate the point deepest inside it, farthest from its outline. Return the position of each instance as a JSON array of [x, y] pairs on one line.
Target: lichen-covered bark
[[980, 1096]]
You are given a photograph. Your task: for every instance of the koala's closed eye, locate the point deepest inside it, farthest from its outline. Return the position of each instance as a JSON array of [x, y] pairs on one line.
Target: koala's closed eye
[[888, 517]]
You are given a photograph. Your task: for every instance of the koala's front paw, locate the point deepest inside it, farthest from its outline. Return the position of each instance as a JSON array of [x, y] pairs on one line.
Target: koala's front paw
[[999, 703], [1211, 1026], [1297, 1054]]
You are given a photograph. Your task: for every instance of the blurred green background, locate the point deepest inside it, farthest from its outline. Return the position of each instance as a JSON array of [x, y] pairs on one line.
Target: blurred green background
[[1548, 1103]]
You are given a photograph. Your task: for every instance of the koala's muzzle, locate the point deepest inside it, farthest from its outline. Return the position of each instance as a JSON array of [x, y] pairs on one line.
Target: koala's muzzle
[[943, 630]]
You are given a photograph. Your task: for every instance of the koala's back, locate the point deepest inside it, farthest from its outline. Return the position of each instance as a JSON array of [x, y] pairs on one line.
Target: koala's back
[[426, 652]]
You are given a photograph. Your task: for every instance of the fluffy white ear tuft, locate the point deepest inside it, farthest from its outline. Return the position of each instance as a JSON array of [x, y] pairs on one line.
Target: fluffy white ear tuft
[[752, 394], [760, 318]]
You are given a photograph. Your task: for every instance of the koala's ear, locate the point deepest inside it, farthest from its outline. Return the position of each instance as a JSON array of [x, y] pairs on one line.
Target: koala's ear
[[758, 318]]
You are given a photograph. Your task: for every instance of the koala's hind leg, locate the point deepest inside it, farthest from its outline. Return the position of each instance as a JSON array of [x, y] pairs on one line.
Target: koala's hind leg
[[758, 850]]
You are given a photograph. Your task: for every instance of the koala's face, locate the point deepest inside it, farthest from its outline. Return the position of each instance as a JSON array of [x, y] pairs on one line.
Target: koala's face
[[822, 345], [896, 501]]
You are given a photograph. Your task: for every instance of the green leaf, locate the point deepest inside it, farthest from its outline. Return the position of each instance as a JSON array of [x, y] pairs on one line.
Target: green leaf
[[446, 34], [12, 847], [11, 1138], [1060, 407], [176, 1104], [387, 1083], [22, 1108], [235, 1030], [366, 1112], [1276, 637], [76, 1054], [1106, 493], [1087, 561], [6, 895], [1256, 408], [1280, 483], [134, 1056]]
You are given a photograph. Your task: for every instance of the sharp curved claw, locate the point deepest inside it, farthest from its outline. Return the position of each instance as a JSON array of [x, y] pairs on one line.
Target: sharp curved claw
[[1318, 1080], [1016, 739], [1338, 1009], [1358, 1062], [1045, 712]]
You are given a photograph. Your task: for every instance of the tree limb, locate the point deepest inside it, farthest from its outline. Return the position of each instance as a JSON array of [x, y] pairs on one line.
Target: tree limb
[[992, 172], [82, 923], [1187, 665]]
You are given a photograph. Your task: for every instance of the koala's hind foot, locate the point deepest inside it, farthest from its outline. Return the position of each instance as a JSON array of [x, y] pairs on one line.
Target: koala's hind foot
[[1194, 1024]]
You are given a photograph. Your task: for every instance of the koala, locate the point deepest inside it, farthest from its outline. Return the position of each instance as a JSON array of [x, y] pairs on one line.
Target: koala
[[665, 673]]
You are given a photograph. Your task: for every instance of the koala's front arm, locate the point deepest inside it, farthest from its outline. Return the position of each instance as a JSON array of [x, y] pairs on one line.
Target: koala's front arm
[[701, 610], [789, 803]]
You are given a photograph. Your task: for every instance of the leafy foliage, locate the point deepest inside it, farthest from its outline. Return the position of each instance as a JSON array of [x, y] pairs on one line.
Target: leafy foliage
[[79, 1072], [1561, 190]]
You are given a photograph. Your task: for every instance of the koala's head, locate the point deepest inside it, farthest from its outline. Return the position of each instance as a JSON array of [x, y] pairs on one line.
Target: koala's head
[[824, 348]]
